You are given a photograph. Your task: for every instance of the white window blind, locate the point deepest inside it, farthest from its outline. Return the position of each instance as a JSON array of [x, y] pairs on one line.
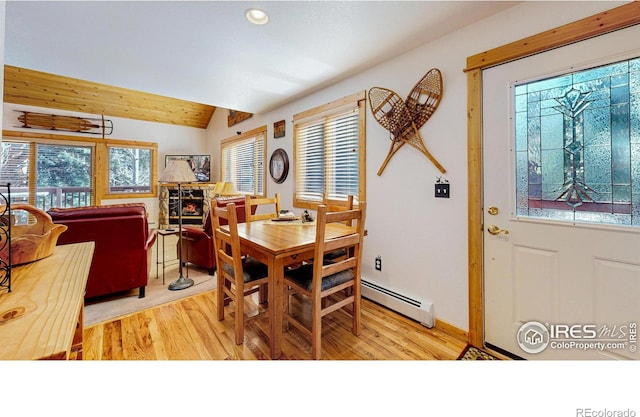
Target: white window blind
[[243, 162], [327, 155]]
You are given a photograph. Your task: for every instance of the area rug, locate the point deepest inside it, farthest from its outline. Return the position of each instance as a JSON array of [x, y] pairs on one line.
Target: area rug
[[123, 304], [471, 353]]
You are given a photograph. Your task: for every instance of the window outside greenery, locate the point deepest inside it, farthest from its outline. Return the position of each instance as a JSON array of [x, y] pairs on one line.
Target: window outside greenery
[[129, 170], [62, 174], [64, 171]]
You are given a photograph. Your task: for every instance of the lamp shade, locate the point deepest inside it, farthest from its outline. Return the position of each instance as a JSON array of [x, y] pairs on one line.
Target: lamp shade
[[217, 189], [178, 171], [229, 189]]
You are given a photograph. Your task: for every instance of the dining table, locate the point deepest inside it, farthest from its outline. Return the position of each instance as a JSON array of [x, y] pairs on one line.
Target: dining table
[[280, 244]]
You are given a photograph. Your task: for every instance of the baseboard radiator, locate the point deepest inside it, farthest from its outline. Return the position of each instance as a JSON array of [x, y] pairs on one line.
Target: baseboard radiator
[[418, 310]]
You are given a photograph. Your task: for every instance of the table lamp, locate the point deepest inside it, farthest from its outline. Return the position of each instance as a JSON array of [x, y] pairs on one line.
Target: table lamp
[[228, 190], [217, 189], [179, 172]]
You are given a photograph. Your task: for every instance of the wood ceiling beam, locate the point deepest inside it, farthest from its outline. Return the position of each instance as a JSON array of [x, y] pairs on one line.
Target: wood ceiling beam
[[41, 89]]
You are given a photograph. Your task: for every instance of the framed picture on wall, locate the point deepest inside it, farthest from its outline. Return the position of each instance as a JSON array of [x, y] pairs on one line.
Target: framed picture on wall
[[278, 129], [200, 164]]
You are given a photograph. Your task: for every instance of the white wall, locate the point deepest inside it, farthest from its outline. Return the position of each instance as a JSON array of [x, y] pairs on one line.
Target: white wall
[[171, 140], [422, 239]]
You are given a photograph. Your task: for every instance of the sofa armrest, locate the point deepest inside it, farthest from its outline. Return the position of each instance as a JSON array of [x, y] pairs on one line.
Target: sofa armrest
[[151, 239], [194, 234]]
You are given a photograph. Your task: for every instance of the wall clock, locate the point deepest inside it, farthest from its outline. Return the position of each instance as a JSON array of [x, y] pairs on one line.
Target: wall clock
[[279, 166]]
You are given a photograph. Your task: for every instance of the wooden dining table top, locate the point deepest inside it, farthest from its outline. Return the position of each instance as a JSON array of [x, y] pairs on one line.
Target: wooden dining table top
[[280, 237]]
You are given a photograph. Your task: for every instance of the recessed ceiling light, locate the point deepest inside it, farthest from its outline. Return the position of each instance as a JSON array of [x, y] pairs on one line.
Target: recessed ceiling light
[[257, 16]]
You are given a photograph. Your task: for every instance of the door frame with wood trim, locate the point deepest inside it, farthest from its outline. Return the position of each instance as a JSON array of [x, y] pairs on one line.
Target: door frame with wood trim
[[599, 24]]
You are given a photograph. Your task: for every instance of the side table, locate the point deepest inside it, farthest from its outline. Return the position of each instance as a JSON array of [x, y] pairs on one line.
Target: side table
[[163, 234]]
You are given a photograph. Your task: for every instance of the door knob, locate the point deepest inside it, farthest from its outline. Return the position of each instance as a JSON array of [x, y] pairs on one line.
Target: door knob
[[495, 230]]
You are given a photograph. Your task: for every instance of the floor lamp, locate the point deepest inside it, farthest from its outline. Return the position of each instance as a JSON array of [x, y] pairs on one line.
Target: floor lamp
[[179, 172]]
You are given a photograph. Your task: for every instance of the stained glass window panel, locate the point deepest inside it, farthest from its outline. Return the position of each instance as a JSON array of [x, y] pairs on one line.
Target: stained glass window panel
[[577, 146]]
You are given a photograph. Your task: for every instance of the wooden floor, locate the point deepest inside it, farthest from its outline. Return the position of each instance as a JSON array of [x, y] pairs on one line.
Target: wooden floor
[[189, 330]]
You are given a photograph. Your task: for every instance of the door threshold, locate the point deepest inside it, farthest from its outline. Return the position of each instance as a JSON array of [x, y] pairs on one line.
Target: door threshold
[[499, 351]]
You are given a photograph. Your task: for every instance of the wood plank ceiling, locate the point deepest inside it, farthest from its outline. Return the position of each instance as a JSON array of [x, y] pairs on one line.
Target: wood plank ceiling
[[35, 88]]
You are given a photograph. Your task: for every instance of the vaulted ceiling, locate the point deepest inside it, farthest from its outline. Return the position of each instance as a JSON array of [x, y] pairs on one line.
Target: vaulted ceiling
[[180, 60]]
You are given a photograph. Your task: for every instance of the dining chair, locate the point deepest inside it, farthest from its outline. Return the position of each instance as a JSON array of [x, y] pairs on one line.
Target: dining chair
[[338, 205], [238, 276], [252, 205], [323, 283]]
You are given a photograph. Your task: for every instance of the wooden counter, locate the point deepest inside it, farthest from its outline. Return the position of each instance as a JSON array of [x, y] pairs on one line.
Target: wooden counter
[[42, 317]]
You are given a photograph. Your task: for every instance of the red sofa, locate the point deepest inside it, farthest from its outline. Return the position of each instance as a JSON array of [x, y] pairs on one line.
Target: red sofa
[[122, 255], [197, 243]]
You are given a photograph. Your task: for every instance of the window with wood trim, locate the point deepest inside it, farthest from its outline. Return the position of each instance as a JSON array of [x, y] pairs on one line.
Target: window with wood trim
[[48, 170], [129, 170], [243, 161], [49, 175], [329, 150]]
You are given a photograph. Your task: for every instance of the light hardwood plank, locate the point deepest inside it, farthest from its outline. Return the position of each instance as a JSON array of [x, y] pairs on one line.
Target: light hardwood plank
[[188, 329]]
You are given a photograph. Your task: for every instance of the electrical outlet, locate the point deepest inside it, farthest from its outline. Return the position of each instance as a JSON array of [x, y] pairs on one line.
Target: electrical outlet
[[442, 190], [378, 263]]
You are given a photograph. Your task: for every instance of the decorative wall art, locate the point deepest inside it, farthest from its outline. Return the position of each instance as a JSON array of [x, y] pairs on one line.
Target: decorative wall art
[[279, 129], [92, 125], [403, 119], [200, 164], [279, 166], [236, 117]]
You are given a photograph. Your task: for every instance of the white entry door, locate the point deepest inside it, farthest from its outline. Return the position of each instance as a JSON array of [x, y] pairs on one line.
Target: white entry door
[[560, 280]]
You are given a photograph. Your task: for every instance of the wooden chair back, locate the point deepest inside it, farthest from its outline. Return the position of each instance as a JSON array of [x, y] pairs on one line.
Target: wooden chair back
[[227, 243], [252, 205], [340, 205], [352, 242], [330, 285], [237, 276]]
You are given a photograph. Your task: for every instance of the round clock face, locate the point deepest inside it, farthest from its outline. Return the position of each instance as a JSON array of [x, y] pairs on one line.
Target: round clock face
[[279, 166]]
